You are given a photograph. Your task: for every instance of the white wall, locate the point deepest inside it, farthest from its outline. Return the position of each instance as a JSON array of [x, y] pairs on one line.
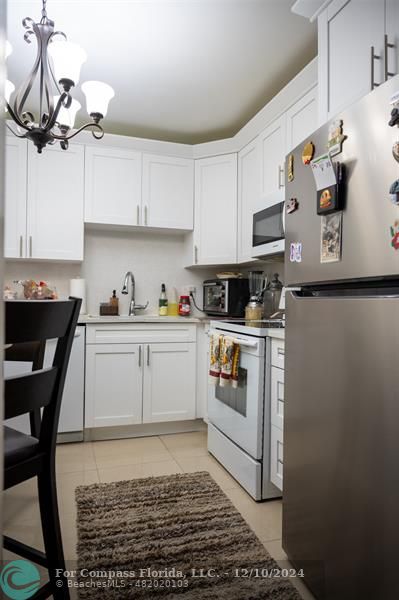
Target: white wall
[[154, 258]]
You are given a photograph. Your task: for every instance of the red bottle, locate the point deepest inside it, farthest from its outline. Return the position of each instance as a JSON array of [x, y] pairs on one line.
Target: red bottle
[[184, 306]]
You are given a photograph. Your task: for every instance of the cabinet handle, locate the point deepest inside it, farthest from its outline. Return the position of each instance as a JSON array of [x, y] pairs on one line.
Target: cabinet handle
[[280, 351], [387, 45], [30, 246], [373, 58], [196, 254], [138, 215], [21, 243], [280, 172], [145, 216], [148, 356], [139, 356]]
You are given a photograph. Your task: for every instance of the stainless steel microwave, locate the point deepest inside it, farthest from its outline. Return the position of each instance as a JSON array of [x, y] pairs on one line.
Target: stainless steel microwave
[[268, 230]]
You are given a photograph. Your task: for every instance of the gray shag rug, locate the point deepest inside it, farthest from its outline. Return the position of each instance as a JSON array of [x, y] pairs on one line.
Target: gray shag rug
[[173, 526]]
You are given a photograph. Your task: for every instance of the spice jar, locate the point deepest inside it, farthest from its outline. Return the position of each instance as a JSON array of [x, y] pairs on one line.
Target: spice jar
[[184, 306]]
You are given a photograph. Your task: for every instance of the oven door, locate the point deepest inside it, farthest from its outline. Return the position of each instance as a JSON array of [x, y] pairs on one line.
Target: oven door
[[268, 230], [238, 413], [215, 298]]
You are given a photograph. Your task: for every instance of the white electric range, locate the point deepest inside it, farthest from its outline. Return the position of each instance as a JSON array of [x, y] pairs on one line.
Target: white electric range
[[239, 419]]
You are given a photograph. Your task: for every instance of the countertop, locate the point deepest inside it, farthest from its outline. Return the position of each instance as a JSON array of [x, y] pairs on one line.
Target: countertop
[[92, 319]]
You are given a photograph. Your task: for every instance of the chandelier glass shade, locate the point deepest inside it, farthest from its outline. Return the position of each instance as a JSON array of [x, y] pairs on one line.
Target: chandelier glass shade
[[57, 68]]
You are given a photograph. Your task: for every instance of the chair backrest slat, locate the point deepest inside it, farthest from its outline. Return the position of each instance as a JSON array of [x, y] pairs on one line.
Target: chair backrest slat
[[37, 320], [29, 392]]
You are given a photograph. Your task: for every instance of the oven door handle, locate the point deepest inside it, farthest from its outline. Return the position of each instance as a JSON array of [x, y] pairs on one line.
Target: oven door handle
[[246, 343]]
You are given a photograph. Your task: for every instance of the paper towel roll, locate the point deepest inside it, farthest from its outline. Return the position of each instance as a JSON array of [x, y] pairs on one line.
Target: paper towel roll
[[77, 288]]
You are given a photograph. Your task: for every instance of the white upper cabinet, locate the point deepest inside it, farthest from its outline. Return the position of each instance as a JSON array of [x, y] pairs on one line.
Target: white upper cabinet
[[112, 186], [248, 197], [215, 228], [272, 142], [55, 203], [348, 30], [168, 192], [392, 33], [15, 198], [169, 392], [302, 119]]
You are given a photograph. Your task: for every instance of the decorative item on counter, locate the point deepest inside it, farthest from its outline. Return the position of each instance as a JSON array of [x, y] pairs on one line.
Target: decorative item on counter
[[335, 137], [290, 168], [184, 306], [37, 291], [329, 180], [173, 306], [394, 230], [296, 252], [291, 205], [307, 153], [9, 294], [394, 192], [271, 297], [331, 238], [77, 289], [163, 302]]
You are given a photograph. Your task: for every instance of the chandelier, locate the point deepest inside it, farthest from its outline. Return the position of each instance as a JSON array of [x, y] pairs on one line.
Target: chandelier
[[57, 64]]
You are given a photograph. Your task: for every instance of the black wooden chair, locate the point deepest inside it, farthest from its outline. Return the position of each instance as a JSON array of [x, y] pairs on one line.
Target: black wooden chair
[[26, 456]]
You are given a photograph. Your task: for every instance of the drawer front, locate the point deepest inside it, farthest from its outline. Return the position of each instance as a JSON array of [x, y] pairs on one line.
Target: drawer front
[[140, 333], [277, 457], [277, 397], [278, 347]]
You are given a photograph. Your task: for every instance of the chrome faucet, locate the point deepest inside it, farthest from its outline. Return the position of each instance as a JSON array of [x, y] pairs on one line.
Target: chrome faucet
[[132, 306]]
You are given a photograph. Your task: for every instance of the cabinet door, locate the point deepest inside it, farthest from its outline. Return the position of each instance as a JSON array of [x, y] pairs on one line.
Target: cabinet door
[[272, 143], [114, 384], [169, 382], [168, 192], [347, 31], [248, 197], [112, 186], [392, 31], [276, 457], [55, 203], [302, 119], [215, 230], [15, 198]]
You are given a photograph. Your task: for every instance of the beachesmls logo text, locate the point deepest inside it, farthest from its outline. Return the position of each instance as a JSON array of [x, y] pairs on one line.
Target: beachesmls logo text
[[19, 580]]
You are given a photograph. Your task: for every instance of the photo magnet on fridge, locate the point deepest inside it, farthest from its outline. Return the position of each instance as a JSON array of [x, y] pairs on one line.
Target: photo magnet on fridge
[[331, 238]]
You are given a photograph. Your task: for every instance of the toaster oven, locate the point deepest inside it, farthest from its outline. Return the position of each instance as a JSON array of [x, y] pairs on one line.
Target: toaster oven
[[226, 297]]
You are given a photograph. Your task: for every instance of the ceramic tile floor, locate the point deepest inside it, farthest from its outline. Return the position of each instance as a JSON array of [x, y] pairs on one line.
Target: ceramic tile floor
[[107, 461]]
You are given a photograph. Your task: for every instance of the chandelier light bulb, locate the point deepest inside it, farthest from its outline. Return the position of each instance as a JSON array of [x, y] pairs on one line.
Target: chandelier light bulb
[[9, 87], [67, 59], [8, 49], [98, 95], [66, 116]]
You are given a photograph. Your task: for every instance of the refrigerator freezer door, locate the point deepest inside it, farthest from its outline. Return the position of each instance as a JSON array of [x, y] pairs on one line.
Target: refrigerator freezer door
[[368, 215], [341, 445]]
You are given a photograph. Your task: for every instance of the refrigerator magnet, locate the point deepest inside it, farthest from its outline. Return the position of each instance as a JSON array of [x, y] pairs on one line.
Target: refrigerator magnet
[[291, 168], [331, 238], [393, 192], [307, 153], [291, 205], [335, 137], [395, 151], [394, 229], [296, 252]]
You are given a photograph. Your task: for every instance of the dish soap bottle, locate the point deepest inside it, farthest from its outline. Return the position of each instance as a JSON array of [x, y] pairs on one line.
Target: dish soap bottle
[[163, 302], [114, 302]]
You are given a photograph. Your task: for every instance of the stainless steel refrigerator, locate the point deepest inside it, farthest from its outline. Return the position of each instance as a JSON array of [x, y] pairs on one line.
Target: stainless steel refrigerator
[[341, 431]]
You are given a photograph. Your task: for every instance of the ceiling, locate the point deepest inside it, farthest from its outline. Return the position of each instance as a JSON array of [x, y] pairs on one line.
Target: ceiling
[[182, 70]]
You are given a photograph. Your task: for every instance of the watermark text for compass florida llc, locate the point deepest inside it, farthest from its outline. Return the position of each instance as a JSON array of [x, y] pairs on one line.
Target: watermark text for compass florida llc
[[20, 579]]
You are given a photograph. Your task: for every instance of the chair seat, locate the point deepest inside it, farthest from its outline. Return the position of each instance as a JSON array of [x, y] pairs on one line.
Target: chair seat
[[18, 446]]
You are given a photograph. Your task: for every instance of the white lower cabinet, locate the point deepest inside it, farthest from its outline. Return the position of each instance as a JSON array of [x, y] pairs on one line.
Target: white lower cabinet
[[169, 382], [147, 381], [114, 384], [277, 413]]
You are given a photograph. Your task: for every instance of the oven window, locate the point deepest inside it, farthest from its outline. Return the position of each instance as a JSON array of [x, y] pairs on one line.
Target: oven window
[[268, 225], [214, 297], [235, 398]]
